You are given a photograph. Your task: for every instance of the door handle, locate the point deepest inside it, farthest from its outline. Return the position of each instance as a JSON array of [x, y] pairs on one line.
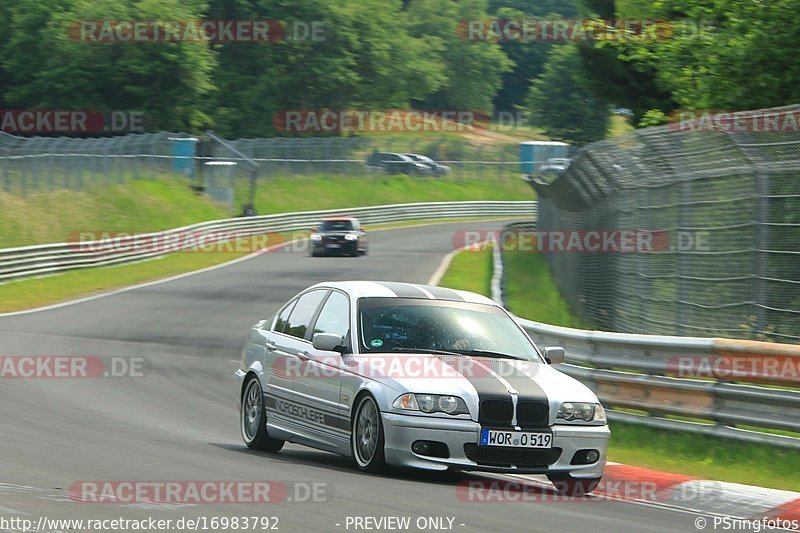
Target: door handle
[[271, 347], [303, 356]]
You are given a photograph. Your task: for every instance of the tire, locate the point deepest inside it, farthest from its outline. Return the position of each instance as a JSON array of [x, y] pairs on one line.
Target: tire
[[366, 437], [570, 486], [253, 419]]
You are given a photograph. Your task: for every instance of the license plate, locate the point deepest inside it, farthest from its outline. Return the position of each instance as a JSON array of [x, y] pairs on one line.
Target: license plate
[[516, 439], [332, 245]]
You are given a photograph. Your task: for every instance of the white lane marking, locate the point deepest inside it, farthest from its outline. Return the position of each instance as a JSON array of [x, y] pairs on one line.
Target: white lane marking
[[443, 266], [209, 269]]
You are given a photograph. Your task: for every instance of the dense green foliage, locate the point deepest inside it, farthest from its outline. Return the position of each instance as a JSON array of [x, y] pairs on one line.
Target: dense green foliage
[[378, 54], [716, 54]]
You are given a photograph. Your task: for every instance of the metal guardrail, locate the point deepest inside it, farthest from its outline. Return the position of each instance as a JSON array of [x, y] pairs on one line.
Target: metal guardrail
[[697, 384], [45, 259]]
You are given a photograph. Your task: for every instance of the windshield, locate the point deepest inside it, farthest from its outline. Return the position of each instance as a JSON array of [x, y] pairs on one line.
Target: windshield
[[423, 158], [410, 324], [336, 225]]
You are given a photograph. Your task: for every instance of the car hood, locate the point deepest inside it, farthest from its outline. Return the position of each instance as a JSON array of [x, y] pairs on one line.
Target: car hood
[[472, 378]]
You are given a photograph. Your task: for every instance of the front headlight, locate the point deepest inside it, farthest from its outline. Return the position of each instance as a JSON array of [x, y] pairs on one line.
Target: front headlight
[[351, 237], [581, 412], [431, 403], [316, 237]]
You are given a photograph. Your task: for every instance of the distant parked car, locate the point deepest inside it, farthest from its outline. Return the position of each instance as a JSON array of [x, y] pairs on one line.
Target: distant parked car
[[436, 168], [394, 163], [555, 165], [339, 236]]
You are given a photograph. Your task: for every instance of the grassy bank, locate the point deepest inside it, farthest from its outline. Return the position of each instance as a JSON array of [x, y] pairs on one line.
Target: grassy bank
[[307, 193], [531, 294], [158, 204]]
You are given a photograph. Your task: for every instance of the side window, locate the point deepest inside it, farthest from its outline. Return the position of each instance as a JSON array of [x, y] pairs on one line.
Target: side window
[[283, 318], [303, 312], [335, 315]]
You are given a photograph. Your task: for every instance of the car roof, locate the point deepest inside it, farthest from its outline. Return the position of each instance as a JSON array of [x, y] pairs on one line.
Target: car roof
[[396, 289], [338, 219]]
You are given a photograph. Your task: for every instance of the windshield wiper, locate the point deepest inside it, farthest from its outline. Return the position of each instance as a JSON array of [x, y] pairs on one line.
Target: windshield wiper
[[425, 350], [498, 355]]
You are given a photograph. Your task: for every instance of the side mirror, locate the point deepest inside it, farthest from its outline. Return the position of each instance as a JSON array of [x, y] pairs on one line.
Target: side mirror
[[554, 355], [328, 342], [313, 229]]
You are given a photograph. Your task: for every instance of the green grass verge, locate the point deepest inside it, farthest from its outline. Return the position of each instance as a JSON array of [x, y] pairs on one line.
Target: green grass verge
[[671, 451], [470, 271], [705, 457], [531, 293], [144, 205], [167, 202], [308, 193]]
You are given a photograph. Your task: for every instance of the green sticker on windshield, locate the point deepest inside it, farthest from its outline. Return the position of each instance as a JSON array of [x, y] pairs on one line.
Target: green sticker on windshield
[[376, 343]]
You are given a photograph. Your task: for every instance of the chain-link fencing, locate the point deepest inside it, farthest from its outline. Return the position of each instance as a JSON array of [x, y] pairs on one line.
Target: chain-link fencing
[[29, 164], [719, 212]]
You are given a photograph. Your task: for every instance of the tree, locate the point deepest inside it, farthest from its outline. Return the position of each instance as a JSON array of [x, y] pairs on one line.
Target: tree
[[560, 103], [712, 54], [529, 57], [46, 66], [472, 70], [366, 58]]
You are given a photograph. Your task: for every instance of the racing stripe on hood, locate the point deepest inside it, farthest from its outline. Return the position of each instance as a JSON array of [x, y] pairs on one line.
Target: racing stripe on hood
[[533, 405], [495, 406]]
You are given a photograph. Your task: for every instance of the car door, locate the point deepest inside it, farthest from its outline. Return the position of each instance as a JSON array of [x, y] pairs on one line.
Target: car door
[[319, 383], [290, 350]]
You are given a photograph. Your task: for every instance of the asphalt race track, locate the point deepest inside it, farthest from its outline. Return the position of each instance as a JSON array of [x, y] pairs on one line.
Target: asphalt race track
[[178, 421]]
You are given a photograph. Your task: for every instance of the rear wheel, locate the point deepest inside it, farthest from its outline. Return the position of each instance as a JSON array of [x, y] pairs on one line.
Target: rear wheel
[[570, 486], [367, 438], [254, 419]]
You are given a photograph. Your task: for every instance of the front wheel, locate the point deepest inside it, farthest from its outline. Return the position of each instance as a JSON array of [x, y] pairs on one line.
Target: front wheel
[[367, 438], [570, 486], [254, 419]]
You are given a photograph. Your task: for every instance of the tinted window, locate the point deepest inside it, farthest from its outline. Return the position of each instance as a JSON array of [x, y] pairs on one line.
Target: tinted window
[[336, 225], [281, 321], [303, 312], [335, 316]]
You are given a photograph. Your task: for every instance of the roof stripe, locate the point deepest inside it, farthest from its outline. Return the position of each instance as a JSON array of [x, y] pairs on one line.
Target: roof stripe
[[403, 290], [443, 293]]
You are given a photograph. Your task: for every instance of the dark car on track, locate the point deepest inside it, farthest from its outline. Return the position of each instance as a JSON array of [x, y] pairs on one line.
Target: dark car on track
[[393, 163], [437, 169], [339, 236]]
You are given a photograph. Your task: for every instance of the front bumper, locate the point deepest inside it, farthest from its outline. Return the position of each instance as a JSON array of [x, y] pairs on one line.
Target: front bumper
[[345, 247], [461, 437]]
